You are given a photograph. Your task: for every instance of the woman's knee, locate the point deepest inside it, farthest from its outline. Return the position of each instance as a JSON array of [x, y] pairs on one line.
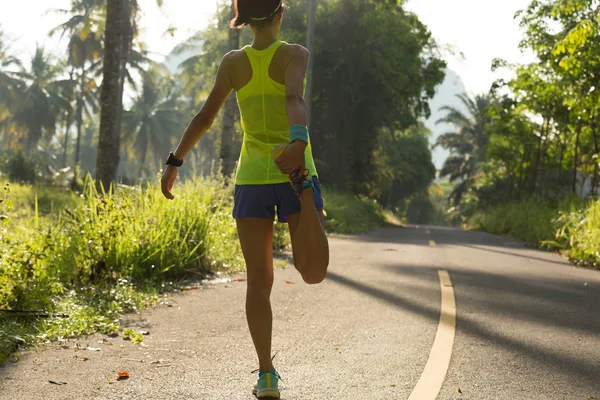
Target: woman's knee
[[260, 282], [315, 277]]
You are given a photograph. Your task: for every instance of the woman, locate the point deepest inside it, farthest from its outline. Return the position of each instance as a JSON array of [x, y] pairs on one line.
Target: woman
[[268, 78]]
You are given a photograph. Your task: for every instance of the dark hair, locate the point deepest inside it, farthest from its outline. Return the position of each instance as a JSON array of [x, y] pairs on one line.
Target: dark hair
[[257, 13]]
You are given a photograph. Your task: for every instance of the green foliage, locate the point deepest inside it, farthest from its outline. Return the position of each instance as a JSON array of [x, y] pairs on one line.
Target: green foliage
[[528, 220], [281, 237], [403, 166], [351, 213], [128, 334], [366, 50]]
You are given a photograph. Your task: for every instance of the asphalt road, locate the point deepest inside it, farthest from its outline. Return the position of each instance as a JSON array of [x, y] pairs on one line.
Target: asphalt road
[[527, 327]]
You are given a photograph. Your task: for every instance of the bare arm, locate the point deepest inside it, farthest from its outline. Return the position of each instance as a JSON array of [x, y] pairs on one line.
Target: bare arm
[[200, 123], [295, 73], [204, 119], [292, 159]]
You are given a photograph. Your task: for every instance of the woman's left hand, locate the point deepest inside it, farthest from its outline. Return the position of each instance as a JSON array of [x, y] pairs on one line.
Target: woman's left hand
[[292, 159], [167, 181]]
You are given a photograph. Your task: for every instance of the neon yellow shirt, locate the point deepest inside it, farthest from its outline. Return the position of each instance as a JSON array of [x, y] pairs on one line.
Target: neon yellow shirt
[[262, 104]]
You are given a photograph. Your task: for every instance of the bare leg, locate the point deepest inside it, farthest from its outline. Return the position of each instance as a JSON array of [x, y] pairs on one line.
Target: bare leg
[[256, 238], [310, 246]]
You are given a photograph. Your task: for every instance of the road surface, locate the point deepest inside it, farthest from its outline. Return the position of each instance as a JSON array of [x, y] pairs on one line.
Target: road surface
[[496, 319]]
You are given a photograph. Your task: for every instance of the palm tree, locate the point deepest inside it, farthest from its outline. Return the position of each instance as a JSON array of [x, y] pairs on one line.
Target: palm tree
[[155, 117], [468, 144], [41, 101], [9, 85], [84, 29], [120, 32]]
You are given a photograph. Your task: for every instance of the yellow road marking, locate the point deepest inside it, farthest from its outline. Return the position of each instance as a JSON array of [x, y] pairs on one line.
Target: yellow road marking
[[433, 376]]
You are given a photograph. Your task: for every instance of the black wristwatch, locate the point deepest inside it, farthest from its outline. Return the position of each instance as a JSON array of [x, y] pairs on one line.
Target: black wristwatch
[[173, 161]]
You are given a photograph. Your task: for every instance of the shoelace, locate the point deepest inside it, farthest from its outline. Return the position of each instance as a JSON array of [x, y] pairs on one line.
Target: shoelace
[[297, 180], [272, 358]]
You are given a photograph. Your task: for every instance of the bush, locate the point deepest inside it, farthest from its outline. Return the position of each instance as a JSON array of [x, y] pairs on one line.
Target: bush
[[578, 234], [351, 214], [19, 168]]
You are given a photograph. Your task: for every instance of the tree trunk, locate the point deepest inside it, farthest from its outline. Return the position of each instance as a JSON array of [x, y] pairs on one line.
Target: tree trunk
[[310, 44], [595, 160], [79, 116], [229, 116], [576, 158], [126, 46], [66, 143], [107, 161], [538, 159]]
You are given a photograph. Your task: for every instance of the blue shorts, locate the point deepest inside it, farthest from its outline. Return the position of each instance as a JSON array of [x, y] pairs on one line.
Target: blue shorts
[[260, 201]]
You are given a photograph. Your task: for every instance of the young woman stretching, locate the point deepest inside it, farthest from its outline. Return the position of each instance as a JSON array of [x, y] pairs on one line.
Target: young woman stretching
[[276, 172]]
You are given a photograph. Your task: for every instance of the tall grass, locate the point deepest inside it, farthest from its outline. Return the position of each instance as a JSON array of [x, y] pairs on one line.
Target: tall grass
[[103, 255], [578, 234]]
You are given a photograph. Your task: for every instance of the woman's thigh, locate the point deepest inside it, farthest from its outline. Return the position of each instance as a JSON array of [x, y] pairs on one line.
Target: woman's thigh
[[256, 238]]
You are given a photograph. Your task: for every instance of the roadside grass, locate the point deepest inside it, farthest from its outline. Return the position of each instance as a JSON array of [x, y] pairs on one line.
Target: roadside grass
[[571, 226]]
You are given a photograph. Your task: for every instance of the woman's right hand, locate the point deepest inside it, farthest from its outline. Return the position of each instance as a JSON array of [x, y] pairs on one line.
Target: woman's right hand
[[292, 159], [167, 181]]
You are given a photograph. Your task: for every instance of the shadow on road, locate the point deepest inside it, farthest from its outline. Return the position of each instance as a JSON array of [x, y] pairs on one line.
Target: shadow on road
[[561, 314]]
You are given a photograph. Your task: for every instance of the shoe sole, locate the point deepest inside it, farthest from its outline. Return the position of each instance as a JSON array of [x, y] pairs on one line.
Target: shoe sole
[[266, 394]]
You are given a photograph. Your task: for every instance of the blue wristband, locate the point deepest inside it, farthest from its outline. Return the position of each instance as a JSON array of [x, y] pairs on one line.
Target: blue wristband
[[299, 132]]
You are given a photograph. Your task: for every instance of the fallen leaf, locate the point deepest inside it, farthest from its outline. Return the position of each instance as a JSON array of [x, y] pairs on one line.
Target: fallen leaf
[[57, 383], [337, 348], [239, 279], [121, 346], [123, 375], [290, 282], [84, 358], [458, 390], [110, 382], [393, 385]]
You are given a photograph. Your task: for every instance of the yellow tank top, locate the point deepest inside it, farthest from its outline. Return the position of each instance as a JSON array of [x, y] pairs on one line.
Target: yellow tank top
[[262, 104]]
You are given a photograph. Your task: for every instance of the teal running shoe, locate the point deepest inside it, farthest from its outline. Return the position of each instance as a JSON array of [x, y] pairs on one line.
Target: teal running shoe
[[267, 386]]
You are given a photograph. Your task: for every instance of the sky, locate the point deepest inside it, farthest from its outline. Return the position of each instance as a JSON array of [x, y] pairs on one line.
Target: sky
[[481, 30]]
